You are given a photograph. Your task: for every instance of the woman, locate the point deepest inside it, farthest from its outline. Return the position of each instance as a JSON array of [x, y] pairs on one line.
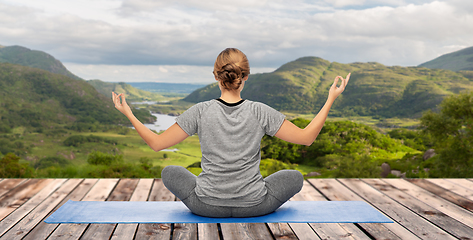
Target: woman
[[230, 131]]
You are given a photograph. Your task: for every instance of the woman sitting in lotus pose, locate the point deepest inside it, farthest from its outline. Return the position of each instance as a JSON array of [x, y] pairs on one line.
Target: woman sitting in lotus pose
[[230, 130]]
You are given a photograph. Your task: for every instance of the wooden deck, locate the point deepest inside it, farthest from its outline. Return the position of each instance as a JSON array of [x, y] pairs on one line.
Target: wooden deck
[[420, 208]]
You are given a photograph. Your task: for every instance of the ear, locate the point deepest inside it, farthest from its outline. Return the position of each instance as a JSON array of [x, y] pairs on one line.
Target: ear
[[246, 78]]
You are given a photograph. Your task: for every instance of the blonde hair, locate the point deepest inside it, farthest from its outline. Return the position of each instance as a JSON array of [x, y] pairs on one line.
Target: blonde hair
[[231, 67]]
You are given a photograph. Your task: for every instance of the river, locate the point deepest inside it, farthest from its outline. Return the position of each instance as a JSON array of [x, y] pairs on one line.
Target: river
[[163, 122]]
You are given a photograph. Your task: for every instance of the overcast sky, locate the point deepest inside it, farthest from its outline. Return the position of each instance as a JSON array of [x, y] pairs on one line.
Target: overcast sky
[[178, 41]]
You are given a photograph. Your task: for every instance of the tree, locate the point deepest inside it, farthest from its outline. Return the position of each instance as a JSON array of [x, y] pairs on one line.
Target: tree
[[10, 167], [452, 135]]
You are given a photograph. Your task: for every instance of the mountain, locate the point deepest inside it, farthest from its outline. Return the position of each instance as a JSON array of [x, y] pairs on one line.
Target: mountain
[[32, 97], [132, 94], [32, 58], [301, 86], [455, 61], [161, 87]]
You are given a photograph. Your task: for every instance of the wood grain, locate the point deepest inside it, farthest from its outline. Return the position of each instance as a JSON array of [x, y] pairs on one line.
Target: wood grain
[[99, 192], [335, 191], [43, 230], [419, 226]]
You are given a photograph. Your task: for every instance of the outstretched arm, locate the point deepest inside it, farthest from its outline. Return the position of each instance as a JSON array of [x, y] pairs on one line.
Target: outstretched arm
[[291, 133], [172, 136]]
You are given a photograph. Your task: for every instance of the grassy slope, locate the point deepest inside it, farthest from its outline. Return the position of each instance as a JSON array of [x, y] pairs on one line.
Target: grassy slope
[[130, 145], [302, 86], [455, 61], [32, 58], [34, 97]]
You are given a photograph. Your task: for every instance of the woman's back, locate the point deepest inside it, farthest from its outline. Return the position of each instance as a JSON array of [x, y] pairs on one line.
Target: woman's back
[[230, 137]]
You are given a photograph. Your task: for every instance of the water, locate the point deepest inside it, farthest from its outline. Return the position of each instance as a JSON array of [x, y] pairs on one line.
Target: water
[[162, 123]]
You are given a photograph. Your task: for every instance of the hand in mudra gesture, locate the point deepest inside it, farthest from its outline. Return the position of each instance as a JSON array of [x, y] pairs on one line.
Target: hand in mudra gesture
[[122, 106], [334, 90]]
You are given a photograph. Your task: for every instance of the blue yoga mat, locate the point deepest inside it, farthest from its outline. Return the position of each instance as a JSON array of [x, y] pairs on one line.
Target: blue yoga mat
[[177, 212]]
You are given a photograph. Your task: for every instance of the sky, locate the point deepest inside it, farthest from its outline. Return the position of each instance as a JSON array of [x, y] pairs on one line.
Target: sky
[[178, 41]]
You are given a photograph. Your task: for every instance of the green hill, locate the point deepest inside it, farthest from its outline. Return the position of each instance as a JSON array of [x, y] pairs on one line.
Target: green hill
[[132, 94], [32, 58], [32, 97], [301, 86], [455, 61]]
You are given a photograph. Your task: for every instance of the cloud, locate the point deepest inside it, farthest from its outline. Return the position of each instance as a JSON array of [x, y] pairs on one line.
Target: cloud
[[130, 7], [271, 33], [148, 73]]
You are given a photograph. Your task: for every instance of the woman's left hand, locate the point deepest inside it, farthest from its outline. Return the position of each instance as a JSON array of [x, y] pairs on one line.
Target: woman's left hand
[[121, 106]]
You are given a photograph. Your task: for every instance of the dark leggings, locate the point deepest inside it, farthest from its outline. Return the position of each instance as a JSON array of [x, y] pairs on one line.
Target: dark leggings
[[280, 186]]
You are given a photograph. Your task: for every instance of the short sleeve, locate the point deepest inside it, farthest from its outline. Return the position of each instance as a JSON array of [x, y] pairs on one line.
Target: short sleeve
[[270, 119], [189, 119]]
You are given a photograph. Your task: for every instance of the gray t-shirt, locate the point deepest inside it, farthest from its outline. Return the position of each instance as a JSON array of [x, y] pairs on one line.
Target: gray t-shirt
[[230, 138]]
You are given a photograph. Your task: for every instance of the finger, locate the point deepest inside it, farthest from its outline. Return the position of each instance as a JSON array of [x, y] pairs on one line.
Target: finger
[[123, 98], [117, 100], [335, 82], [114, 98]]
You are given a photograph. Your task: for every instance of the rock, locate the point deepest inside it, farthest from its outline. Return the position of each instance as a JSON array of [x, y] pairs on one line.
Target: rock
[[428, 154], [385, 170], [398, 173], [312, 174]]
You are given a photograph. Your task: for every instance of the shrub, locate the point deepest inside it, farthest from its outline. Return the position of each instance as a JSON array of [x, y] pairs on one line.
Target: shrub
[[352, 166], [269, 166], [195, 165], [10, 167], [51, 161], [77, 140], [100, 158]]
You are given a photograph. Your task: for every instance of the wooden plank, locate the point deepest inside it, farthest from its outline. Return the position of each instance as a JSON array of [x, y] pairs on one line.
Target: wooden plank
[[444, 193], [7, 185], [43, 230], [450, 185], [281, 231], [183, 231], [400, 214], [27, 207], [40, 211], [462, 182], [208, 231], [303, 231], [337, 231], [99, 192], [239, 231], [122, 192], [447, 207], [141, 193], [335, 191], [328, 230], [21, 194], [156, 230], [429, 213]]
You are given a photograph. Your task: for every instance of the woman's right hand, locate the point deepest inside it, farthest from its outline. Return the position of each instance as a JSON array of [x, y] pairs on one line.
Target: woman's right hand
[[334, 90], [122, 106]]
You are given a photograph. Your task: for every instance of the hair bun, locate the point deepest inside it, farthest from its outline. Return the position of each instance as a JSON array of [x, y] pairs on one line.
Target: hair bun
[[231, 67], [230, 75]]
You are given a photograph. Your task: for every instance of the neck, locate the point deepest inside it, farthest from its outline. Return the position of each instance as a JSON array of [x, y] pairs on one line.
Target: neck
[[230, 96]]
